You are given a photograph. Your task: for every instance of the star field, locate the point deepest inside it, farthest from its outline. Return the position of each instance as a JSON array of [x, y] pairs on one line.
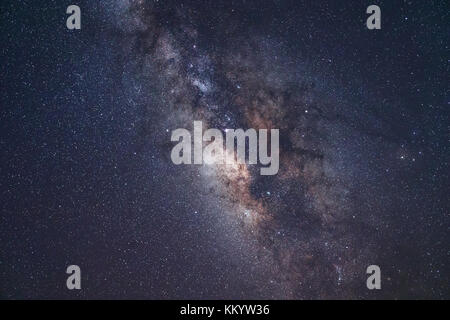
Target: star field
[[87, 177]]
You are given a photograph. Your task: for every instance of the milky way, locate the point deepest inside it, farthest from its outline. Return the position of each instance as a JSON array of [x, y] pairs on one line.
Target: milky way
[[354, 157]]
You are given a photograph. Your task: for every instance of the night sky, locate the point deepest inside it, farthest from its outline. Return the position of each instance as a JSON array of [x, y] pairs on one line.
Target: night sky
[[86, 176]]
